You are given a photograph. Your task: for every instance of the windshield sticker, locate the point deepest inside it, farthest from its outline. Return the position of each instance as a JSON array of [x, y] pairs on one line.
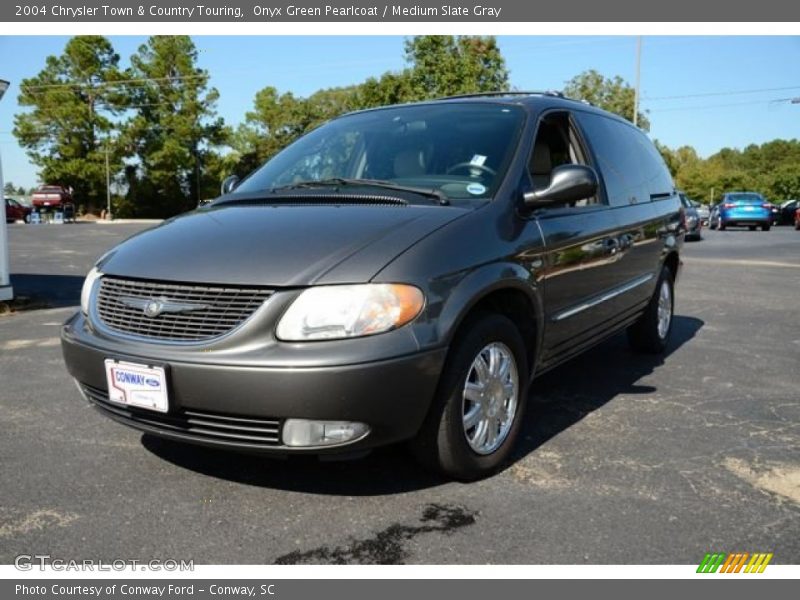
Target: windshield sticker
[[476, 189], [478, 159]]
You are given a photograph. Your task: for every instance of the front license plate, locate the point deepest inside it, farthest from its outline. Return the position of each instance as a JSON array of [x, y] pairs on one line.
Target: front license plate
[[137, 385]]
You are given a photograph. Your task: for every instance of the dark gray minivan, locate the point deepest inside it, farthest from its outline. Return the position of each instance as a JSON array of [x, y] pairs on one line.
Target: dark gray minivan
[[398, 274]]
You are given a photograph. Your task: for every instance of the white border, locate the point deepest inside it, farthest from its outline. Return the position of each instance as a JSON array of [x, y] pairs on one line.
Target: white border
[[270, 572], [388, 28]]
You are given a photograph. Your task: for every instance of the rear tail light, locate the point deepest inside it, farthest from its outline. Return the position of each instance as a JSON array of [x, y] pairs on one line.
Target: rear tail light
[[728, 205], [769, 206]]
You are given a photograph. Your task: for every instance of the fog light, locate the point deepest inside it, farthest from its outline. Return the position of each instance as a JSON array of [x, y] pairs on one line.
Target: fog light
[[300, 432]]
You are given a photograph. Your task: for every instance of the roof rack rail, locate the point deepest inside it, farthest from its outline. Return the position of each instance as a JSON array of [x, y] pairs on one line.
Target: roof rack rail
[[553, 93]]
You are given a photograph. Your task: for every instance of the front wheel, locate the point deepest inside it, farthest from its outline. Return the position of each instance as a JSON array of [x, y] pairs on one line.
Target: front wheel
[[764, 227], [650, 332], [477, 413]]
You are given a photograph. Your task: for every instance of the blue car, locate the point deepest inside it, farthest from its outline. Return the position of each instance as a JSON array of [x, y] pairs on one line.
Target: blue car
[[742, 209]]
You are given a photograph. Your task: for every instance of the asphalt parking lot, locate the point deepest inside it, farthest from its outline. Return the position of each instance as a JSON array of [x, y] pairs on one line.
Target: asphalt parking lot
[[625, 459]]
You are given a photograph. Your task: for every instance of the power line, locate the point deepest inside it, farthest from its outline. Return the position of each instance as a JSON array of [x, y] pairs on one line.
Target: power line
[[707, 106], [729, 93], [78, 84]]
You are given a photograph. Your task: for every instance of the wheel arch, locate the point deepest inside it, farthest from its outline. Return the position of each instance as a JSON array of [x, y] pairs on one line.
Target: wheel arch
[[500, 288]]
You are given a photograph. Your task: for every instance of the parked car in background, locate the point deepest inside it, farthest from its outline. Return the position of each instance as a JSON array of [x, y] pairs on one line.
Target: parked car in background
[[776, 213], [51, 197], [742, 209], [713, 217], [703, 211], [397, 274], [787, 212], [694, 224], [797, 219], [15, 211]]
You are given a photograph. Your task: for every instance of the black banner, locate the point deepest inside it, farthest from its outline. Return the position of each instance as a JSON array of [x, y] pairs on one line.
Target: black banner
[[335, 589], [266, 11]]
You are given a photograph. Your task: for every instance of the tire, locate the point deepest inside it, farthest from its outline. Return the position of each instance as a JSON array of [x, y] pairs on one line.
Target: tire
[[442, 443], [764, 227], [721, 226], [648, 334], [797, 226]]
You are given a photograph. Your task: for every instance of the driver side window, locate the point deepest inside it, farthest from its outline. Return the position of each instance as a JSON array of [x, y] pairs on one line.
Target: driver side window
[[556, 144]]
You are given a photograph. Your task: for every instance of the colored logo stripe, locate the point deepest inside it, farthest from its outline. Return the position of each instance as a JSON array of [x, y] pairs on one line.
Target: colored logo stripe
[[711, 562], [734, 562]]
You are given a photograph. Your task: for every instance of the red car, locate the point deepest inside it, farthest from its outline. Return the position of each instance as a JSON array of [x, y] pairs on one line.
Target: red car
[[51, 196], [797, 219], [16, 211]]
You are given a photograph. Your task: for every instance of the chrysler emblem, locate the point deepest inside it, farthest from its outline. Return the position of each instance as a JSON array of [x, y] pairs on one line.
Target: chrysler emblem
[[152, 307]]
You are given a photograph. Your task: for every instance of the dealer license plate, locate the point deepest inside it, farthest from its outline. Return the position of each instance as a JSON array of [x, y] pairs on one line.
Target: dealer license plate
[[137, 385]]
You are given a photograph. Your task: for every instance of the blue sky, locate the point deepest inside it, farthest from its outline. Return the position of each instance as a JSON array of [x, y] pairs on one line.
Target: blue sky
[[671, 66]]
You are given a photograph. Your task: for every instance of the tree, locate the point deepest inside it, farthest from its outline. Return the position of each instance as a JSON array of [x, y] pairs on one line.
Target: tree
[[72, 102], [9, 189], [174, 130], [445, 65], [772, 169], [613, 94], [437, 66]]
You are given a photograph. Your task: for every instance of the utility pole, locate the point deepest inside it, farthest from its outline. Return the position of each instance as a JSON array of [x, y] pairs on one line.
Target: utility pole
[[108, 186], [638, 80]]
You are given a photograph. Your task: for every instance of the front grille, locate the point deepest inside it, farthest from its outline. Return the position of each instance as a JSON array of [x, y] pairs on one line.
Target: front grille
[[198, 425], [193, 312]]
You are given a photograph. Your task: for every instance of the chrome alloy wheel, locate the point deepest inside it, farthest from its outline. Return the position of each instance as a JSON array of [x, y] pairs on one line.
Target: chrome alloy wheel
[[490, 398], [664, 309]]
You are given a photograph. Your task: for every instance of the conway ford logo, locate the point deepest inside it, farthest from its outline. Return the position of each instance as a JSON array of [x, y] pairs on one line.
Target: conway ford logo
[[152, 307]]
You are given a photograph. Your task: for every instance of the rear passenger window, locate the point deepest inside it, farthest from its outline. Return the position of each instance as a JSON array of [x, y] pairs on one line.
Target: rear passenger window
[[657, 176], [620, 155]]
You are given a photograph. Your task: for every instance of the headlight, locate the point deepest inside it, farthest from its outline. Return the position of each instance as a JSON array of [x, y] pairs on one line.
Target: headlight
[[86, 291], [345, 311]]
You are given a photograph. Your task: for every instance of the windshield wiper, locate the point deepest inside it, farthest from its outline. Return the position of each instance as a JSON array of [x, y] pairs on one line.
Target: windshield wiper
[[378, 183]]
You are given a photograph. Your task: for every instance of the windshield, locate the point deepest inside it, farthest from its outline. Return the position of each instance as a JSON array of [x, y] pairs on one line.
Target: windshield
[[459, 149], [745, 198]]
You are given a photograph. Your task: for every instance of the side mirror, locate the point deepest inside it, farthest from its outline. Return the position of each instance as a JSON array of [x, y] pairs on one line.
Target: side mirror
[[229, 184], [568, 183]]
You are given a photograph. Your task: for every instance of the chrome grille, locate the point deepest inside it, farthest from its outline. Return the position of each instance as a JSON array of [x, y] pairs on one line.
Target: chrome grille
[[198, 312], [191, 424]]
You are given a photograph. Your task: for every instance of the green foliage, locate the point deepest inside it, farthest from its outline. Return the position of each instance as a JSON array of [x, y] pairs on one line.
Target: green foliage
[[437, 66], [772, 169], [613, 94], [9, 189], [174, 129], [71, 103], [444, 65]]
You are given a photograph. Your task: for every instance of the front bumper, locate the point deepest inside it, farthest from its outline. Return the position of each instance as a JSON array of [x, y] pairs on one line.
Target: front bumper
[[243, 407]]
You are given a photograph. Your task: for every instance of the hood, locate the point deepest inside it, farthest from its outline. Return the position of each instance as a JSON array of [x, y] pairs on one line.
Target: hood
[[275, 245]]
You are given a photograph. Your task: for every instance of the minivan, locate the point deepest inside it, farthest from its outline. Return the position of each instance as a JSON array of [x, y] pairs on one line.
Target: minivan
[[399, 274]]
